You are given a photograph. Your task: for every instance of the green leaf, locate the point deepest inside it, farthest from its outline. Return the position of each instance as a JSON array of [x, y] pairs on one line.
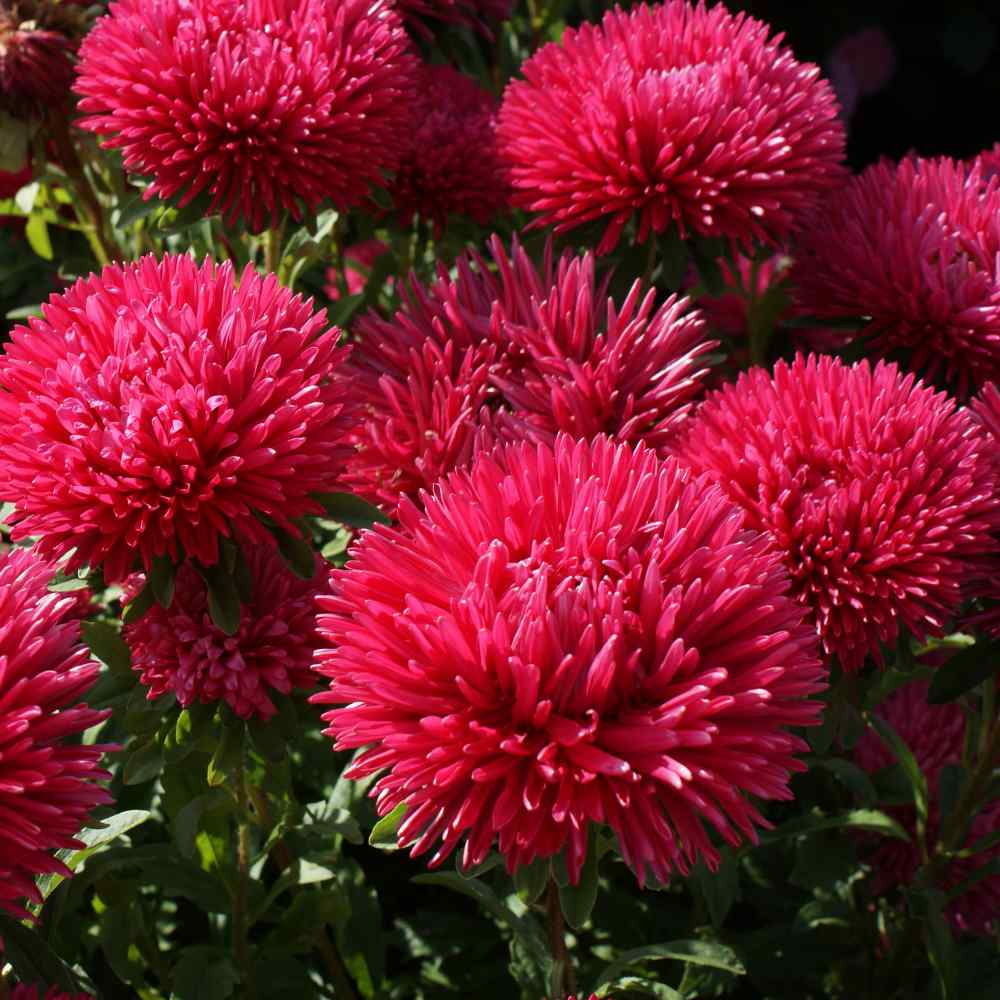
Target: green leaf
[[223, 598], [15, 135], [342, 311], [26, 197], [106, 643], [227, 754], [139, 605], [638, 984], [674, 258], [143, 764], [712, 954], [162, 577], [267, 739], [915, 777], [383, 835], [33, 961], [577, 901], [871, 820], [133, 209], [297, 553], [719, 889], [940, 944], [188, 819], [705, 255], [849, 775], [530, 880], [964, 671], [37, 233], [346, 508], [204, 973]]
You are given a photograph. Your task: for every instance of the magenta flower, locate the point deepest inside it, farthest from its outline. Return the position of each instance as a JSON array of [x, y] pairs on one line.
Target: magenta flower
[[671, 115], [936, 736], [265, 105], [451, 165], [157, 406], [48, 780], [179, 650], [584, 635], [913, 249], [877, 490]]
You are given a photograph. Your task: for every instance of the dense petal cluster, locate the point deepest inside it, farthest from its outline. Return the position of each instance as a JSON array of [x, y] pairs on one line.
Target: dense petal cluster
[[565, 637], [158, 405], [48, 780], [37, 39], [672, 114], [935, 735], [472, 13], [451, 165], [878, 491], [913, 249], [179, 650], [261, 104], [543, 349]]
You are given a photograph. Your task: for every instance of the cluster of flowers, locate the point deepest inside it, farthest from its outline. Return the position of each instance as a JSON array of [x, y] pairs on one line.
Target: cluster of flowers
[[604, 599]]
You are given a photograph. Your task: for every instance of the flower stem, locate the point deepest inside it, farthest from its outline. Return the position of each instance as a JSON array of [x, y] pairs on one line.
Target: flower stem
[[566, 982], [968, 800], [241, 944], [4, 989], [272, 251]]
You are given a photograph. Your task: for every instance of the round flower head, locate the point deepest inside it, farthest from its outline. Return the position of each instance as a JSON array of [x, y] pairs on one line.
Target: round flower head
[[565, 637], [48, 780], [471, 13], [936, 736], [179, 650], [451, 165], [672, 114], [544, 348], [263, 104], [37, 39], [157, 406], [877, 490], [912, 248]]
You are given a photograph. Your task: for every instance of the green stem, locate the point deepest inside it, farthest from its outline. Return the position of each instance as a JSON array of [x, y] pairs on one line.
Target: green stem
[[272, 250], [4, 989], [556, 925], [968, 801], [241, 928]]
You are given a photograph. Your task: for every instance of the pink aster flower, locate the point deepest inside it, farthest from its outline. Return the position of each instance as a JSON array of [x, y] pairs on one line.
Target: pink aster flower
[[526, 351], [671, 114], [48, 780], [565, 637], [263, 104], [179, 650], [451, 165], [158, 405], [936, 736], [877, 490], [23, 992], [471, 13], [914, 249], [37, 39]]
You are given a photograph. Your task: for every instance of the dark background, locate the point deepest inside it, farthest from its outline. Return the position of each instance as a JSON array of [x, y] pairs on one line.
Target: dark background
[[943, 97]]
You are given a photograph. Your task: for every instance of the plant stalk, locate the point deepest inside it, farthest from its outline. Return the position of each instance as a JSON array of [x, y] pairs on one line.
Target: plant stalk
[[241, 929], [556, 926]]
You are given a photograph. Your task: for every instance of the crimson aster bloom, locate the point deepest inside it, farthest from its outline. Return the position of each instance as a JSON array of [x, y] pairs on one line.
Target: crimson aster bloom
[[48, 780], [878, 491], [179, 649], [37, 40], [565, 637], [524, 351], [912, 247], [263, 104], [936, 736], [158, 405], [673, 115], [451, 165]]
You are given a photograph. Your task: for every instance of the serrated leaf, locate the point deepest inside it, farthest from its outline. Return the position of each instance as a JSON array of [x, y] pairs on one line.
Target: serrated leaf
[[712, 954], [964, 671], [106, 643], [383, 835], [345, 508]]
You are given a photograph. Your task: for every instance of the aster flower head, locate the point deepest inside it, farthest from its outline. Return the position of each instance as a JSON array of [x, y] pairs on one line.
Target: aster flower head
[[673, 115], [158, 406], [265, 105], [512, 352], [48, 781], [569, 636], [935, 735], [179, 649], [877, 490], [451, 165], [37, 39], [913, 248]]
